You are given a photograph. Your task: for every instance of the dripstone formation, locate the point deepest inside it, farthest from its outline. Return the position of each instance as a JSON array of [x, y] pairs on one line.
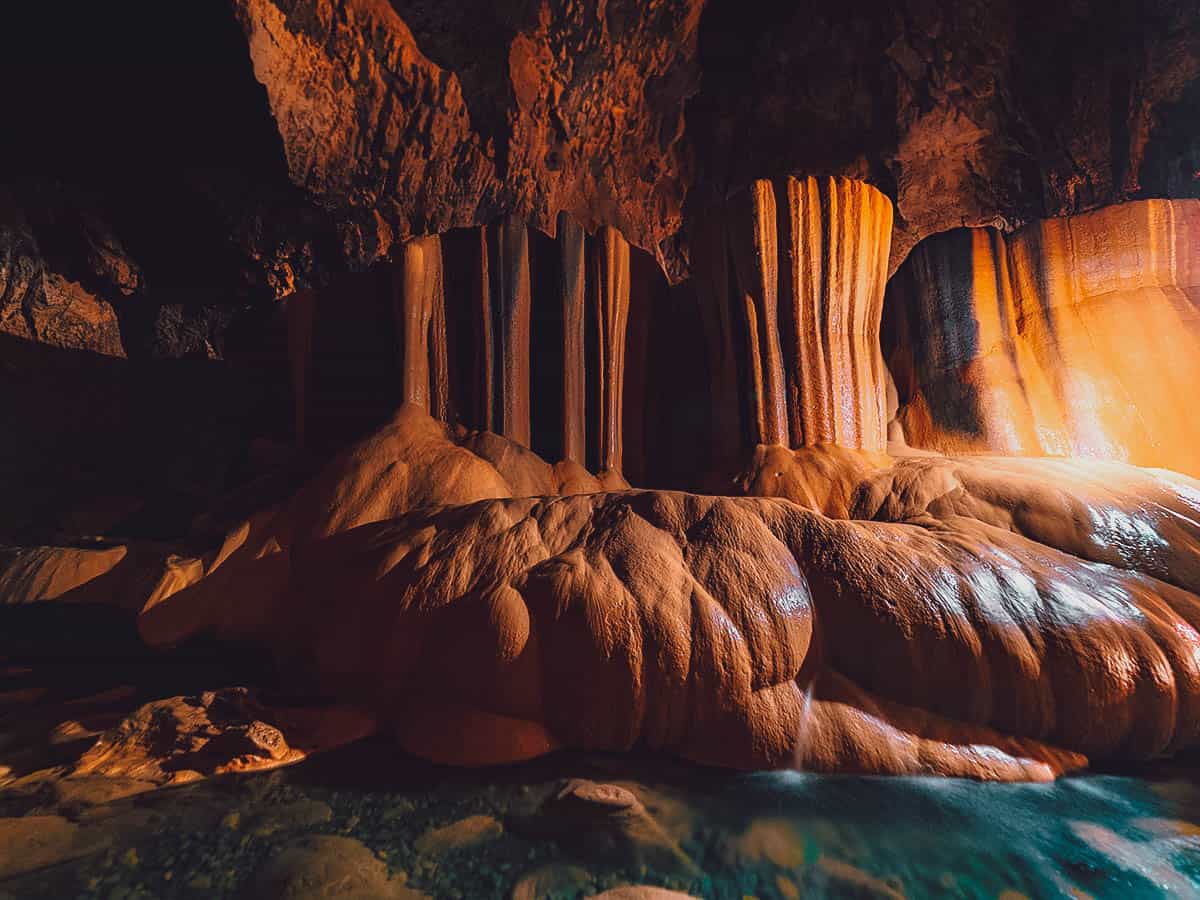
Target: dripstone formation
[[569, 392]]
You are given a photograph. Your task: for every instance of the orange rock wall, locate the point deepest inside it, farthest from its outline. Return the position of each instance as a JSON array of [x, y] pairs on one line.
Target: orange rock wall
[[1076, 336], [810, 259]]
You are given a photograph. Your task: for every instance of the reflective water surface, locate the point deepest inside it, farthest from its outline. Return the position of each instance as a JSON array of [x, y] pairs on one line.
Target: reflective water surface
[[409, 829]]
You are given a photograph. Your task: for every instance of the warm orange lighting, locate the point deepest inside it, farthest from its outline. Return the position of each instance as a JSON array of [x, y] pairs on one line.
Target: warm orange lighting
[[1076, 336]]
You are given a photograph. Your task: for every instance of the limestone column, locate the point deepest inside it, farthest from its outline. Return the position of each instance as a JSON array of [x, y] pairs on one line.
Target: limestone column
[[612, 309], [413, 309], [512, 330], [756, 261], [484, 382], [837, 237], [439, 355], [574, 386]]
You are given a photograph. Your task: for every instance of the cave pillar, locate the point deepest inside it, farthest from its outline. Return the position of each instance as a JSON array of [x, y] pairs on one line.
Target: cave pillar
[[611, 266], [756, 261], [484, 369], [513, 302], [574, 385], [439, 354], [837, 237], [413, 310]]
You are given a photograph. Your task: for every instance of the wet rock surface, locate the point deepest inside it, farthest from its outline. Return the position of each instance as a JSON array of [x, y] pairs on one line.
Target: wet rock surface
[[353, 824]]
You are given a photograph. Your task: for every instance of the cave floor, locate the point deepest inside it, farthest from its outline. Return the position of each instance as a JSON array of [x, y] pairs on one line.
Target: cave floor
[[437, 832], [367, 821]]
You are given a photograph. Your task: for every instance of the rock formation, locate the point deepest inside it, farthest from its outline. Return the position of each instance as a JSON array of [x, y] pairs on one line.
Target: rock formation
[[702, 626], [610, 86], [505, 255], [40, 304], [1030, 343]]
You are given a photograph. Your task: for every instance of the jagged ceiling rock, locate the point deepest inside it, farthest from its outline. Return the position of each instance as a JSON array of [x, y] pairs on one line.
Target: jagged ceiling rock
[[568, 105], [389, 119], [965, 113], [44, 300]]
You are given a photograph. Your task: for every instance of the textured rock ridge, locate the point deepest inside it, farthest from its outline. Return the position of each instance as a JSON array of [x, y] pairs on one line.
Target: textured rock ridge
[[1040, 342], [1043, 610], [969, 113], [42, 305], [589, 112]]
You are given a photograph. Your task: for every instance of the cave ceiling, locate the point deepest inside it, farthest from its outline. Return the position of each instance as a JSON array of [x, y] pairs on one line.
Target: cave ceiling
[[288, 140]]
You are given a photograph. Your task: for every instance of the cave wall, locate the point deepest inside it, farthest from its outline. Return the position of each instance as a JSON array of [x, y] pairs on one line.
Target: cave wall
[[1077, 336], [290, 148]]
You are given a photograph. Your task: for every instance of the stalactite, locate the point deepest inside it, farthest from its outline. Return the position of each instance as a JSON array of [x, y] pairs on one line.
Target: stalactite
[[756, 255], [301, 313], [414, 311], [485, 351], [513, 299], [612, 308], [838, 236], [574, 383], [439, 353]]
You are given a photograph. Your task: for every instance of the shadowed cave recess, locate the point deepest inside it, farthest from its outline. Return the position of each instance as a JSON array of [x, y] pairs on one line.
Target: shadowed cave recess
[[559, 414]]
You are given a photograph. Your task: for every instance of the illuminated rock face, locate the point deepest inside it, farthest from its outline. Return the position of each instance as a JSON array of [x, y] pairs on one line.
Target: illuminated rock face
[[375, 128], [810, 263], [1076, 336], [42, 305], [984, 618], [468, 348]]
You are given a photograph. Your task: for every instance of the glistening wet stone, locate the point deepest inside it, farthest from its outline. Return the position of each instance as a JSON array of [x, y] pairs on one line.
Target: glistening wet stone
[[778, 835]]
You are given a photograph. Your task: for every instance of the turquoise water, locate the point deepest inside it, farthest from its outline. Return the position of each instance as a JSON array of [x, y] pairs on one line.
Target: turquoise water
[[782, 835]]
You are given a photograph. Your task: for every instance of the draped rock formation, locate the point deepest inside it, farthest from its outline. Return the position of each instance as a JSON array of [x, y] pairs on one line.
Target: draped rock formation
[[421, 324], [462, 336], [810, 257], [612, 308], [1076, 336], [838, 232], [1023, 615], [571, 239], [512, 301], [472, 217]]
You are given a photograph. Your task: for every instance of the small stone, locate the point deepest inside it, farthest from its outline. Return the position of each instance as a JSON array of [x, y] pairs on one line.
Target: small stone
[[321, 866], [231, 820], [470, 832]]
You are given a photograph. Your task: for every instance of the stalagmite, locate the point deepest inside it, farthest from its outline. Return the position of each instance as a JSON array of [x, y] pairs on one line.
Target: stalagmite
[[612, 295], [1076, 336], [574, 385], [837, 232], [512, 331], [756, 260]]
